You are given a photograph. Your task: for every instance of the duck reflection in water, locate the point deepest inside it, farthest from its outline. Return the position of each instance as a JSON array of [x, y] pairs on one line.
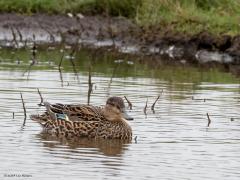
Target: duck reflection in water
[[109, 147]]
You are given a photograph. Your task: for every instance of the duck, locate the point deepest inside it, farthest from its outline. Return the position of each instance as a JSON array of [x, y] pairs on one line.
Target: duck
[[76, 120]]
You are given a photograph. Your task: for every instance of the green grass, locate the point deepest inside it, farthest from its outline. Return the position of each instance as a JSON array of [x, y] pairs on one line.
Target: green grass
[[188, 16], [192, 16], [125, 8]]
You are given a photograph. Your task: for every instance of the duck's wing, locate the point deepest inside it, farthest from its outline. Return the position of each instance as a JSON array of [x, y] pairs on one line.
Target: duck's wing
[[74, 112]]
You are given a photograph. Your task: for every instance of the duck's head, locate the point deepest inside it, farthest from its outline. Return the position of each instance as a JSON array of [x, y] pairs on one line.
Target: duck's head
[[115, 109]]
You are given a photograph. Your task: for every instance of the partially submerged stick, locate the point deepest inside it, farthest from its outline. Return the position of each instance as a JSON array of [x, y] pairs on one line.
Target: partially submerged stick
[[152, 107], [14, 36], [60, 63], [61, 77], [129, 103], [41, 98], [89, 84], [209, 120], [20, 34], [135, 139], [145, 108], [24, 109]]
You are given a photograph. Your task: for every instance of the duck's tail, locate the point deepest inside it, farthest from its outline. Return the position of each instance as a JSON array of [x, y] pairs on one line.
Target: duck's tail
[[52, 113], [41, 119]]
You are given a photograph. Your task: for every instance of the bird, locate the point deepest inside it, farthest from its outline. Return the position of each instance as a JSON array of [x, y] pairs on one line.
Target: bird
[[71, 121]]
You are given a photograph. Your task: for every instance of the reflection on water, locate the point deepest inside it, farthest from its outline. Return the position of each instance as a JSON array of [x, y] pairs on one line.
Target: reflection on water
[[172, 143], [107, 147]]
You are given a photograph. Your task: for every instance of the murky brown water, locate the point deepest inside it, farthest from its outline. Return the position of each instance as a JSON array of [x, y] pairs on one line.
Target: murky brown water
[[173, 143]]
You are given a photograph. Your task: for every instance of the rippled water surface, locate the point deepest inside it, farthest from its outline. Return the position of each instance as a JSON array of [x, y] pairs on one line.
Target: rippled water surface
[[172, 143]]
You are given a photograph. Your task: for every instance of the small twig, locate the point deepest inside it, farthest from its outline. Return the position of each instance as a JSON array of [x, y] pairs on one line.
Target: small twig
[[14, 36], [34, 51], [89, 84], [41, 98], [19, 33], [152, 107], [24, 108], [61, 77], [129, 103], [135, 139], [232, 119], [60, 63], [13, 115], [145, 108], [209, 120]]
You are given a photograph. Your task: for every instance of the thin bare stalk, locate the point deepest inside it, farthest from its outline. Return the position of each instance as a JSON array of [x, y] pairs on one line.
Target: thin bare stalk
[[145, 108], [129, 103], [152, 107], [41, 98], [89, 85], [135, 139], [24, 109], [20, 34], [60, 63], [209, 120], [14, 36]]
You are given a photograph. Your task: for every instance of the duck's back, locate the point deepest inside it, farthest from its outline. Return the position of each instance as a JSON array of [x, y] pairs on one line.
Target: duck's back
[[77, 112]]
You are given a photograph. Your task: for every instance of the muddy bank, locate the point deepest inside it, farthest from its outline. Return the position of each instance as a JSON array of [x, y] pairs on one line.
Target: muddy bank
[[122, 35]]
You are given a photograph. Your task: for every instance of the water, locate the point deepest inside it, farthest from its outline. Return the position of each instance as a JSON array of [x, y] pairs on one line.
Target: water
[[172, 143]]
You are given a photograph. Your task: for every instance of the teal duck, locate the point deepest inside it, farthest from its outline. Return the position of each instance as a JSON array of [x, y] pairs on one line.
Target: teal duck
[[108, 122]]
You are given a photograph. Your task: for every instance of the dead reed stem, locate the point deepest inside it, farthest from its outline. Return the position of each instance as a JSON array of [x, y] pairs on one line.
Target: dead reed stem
[[145, 108], [152, 107], [41, 98], [60, 63], [24, 109], [129, 103], [14, 36], [20, 34], [89, 84], [135, 139], [209, 120]]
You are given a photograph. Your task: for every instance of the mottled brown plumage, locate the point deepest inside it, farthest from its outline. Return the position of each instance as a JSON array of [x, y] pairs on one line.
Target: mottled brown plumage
[[108, 122]]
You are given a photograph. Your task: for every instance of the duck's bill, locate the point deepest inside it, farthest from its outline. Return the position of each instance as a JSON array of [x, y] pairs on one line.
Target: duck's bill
[[126, 116]]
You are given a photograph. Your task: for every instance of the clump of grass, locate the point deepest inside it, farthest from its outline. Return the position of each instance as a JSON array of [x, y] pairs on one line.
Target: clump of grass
[[127, 8], [33, 6], [192, 16]]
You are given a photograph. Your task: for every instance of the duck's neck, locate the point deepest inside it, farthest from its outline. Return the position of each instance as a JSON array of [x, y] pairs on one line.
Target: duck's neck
[[111, 114]]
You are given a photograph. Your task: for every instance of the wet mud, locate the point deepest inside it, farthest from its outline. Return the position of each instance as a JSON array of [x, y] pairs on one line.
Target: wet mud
[[121, 35]]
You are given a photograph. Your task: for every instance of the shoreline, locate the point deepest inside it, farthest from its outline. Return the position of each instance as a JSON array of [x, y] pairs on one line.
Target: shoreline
[[122, 35]]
